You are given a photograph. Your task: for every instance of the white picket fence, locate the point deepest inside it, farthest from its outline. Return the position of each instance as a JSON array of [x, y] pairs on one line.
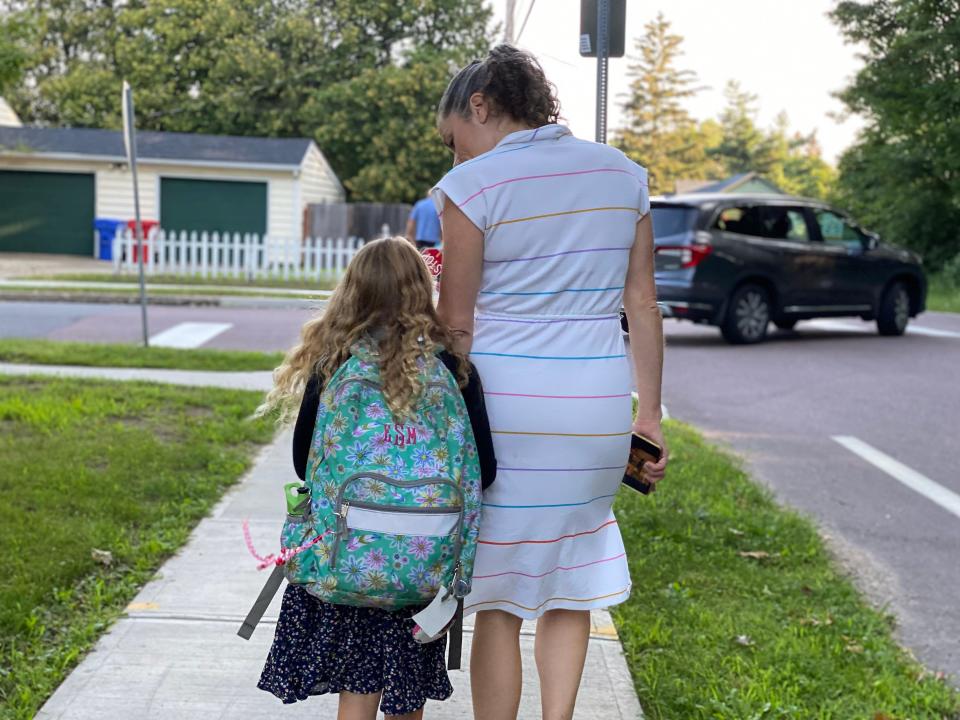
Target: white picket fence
[[245, 256]]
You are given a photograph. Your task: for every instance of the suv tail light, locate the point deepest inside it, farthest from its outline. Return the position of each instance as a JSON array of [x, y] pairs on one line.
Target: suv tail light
[[681, 257]]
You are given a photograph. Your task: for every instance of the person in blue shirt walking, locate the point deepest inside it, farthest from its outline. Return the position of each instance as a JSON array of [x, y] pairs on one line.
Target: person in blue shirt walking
[[423, 225]]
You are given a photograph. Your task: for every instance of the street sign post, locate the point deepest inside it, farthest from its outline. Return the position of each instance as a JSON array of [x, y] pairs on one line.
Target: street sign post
[[130, 143], [602, 35], [617, 23]]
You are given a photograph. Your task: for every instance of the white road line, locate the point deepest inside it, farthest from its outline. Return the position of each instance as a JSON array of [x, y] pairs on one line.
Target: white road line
[[189, 334], [932, 332], [947, 499], [828, 324]]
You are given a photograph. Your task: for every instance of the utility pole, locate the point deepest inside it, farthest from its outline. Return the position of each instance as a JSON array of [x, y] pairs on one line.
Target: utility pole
[[130, 141], [508, 25]]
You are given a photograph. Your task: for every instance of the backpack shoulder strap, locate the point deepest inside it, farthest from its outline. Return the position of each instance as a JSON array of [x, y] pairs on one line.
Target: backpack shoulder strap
[[262, 603]]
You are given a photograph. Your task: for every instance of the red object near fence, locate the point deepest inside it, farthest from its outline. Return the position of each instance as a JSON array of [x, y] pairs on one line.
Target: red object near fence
[[148, 225]]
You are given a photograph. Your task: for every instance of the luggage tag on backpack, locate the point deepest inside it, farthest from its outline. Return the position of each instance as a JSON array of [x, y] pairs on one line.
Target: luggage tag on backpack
[[436, 617]]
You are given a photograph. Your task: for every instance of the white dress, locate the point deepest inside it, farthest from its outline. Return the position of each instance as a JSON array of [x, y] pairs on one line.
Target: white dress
[[559, 218]]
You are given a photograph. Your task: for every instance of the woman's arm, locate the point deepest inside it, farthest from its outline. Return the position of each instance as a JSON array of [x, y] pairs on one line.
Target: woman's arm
[[462, 271], [646, 340]]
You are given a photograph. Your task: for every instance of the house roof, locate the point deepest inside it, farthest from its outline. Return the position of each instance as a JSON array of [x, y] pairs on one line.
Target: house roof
[[734, 181], [165, 146]]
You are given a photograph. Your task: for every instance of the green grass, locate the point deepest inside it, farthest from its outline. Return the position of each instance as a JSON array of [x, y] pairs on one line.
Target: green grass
[[128, 468], [325, 282], [943, 295], [52, 352], [809, 646]]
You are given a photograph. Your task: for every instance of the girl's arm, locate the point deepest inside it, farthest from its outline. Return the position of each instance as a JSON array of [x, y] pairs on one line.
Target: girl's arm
[[646, 340], [303, 430], [462, 271]]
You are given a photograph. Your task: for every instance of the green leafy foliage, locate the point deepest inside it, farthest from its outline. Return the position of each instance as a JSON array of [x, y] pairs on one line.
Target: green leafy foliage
[[291, 68], [380, 129], [123, 468], [738, 612], [12, 55], [903, 175]]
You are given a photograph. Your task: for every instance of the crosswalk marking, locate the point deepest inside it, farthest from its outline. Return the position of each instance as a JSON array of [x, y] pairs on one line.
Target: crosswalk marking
[[189, 334]]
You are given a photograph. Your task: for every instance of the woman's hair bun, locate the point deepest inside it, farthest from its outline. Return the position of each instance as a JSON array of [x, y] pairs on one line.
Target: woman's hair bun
[[512, 81]]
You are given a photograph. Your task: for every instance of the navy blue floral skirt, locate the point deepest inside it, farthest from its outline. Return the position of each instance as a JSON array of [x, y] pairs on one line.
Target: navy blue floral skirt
[[322, 648]]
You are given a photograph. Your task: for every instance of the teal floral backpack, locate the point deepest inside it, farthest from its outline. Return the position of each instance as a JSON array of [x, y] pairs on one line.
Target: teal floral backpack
[[396, 507]]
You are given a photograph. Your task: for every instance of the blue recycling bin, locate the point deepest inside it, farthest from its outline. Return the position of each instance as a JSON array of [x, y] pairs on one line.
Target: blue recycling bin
[[107, 229]]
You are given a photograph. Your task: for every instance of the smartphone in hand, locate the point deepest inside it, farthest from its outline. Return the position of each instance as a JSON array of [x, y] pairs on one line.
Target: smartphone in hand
[[642, 449]]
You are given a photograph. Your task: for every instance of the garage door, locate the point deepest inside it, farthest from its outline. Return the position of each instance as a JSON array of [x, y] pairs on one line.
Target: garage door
[[46, 212], [223, 206]]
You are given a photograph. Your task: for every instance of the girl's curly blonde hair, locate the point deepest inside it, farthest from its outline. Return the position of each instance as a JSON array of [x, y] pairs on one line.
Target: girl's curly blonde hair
[[386, 293]]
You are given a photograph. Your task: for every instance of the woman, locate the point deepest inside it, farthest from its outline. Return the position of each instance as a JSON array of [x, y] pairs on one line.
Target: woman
[[544, 237]]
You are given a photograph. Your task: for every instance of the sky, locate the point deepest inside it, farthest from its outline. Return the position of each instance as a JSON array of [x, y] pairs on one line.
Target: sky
[[787, 52]]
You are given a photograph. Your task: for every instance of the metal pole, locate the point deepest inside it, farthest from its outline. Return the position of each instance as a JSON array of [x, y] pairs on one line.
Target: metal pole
[[130, 140], [603, 64], [508, 25]]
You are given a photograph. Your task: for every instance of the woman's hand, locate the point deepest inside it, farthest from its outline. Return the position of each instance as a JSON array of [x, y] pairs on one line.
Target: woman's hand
[[650, 429]]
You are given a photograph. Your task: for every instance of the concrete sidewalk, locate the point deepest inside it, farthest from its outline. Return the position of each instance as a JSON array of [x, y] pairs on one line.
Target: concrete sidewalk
[[175, 654], [252, 380], [13, 264]]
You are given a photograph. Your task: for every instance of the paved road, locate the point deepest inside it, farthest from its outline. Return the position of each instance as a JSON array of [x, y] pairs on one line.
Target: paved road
[[266, 327], [781, 403]]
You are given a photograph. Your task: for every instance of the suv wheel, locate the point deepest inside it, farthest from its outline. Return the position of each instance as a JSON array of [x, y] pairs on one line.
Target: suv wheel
[[786, 323], [748, 315], [894, 313]]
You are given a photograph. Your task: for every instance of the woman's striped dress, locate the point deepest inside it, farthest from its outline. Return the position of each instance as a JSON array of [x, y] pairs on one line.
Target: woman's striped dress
[[559, 218]]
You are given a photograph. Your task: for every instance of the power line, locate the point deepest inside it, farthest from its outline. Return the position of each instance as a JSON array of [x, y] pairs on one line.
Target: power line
[[525, 18]]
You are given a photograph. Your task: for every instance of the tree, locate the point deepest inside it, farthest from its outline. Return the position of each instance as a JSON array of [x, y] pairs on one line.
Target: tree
[[743, 146], [902, 177], [373, 127], [659, 132], [797, 166], [12, 55], [240, 67], [792, 162]]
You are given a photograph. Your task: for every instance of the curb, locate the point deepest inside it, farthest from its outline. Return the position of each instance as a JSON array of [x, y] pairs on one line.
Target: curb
[[107, 298], [167, 300]]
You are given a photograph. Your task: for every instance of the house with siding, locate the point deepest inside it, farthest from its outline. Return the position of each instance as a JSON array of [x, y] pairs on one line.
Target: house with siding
[[55, 181]]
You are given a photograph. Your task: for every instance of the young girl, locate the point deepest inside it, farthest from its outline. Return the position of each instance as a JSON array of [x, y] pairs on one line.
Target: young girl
[[367, 655]]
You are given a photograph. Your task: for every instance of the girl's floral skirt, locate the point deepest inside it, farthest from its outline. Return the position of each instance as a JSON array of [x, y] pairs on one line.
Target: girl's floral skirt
[[322, 648]]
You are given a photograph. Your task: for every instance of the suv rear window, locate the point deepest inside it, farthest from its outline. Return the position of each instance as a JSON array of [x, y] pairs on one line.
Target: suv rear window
[[774, 222], [672, 219]]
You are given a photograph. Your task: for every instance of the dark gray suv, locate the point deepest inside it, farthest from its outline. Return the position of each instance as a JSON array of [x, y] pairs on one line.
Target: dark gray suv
[[743, 261]]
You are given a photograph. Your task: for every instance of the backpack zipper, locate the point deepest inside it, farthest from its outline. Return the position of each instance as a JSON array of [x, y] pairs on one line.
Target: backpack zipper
[[343, 506], [377, 386]]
